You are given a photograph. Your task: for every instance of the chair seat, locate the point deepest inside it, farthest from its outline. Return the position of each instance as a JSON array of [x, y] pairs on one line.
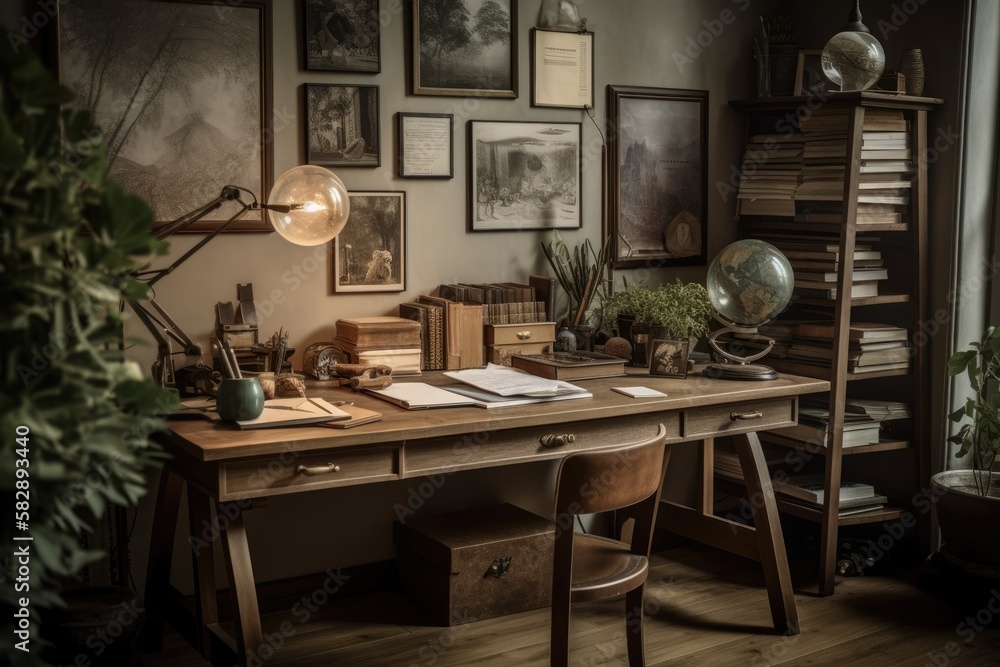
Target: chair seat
[[604, 568]]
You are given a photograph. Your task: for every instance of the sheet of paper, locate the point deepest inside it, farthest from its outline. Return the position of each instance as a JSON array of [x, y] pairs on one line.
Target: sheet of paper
[[485, 399], [507, 381], [638, 392], [417, 395], [563, 63]]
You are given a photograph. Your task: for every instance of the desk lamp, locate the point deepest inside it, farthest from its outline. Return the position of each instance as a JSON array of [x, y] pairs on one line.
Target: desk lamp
[[308, 206], [749, 282]]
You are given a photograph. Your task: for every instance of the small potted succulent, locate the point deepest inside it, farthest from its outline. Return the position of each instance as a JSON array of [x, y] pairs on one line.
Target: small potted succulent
[[673, 312]]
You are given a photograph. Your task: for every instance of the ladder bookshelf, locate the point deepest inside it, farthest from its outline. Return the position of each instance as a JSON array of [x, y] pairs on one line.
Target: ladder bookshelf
[[903, 305]]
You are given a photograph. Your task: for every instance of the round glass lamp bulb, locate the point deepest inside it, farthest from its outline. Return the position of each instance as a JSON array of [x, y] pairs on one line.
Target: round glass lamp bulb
[[749, 282], [853, 60], [319, 205]]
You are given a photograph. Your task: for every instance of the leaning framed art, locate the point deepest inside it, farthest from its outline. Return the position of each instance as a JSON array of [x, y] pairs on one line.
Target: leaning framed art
[[184, 103], [657, 176], [524, 175], [370, 253]]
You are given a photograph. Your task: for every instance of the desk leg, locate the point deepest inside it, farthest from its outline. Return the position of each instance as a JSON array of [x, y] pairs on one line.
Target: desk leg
[[161, 548], [203, 562], [236, 550], [769, 537]]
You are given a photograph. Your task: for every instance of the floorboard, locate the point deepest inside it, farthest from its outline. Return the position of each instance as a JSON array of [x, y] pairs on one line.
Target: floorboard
[[704, 607]]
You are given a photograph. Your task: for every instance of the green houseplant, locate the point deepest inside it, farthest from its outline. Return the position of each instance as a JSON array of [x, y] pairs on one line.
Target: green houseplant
[[76, 417], [969, 500], [673, 311]]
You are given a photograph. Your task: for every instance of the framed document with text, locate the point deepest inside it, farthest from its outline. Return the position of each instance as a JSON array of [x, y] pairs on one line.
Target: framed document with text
[[425, 145], [562, 69]]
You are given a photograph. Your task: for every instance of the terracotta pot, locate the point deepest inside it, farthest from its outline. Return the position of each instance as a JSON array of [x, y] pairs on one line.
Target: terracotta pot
[[968, 522]]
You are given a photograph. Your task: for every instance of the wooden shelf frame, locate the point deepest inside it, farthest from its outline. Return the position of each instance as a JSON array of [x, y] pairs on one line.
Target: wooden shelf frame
[[916, 110]]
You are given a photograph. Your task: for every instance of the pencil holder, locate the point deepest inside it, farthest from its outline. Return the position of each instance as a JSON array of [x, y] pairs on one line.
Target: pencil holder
[[240, 399]]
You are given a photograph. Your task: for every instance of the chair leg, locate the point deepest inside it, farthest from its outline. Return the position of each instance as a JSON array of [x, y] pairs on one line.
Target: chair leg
[[633, 627], [559, 643]]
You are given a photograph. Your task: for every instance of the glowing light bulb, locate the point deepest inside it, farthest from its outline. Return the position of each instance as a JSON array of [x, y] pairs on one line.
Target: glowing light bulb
[[318, 202]]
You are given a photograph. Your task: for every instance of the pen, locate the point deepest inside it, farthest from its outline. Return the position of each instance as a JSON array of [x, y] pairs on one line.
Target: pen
[[319, 405]]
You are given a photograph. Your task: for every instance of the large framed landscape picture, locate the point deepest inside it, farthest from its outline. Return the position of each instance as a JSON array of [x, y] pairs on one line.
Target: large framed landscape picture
[[524, 175], [658, 176], [342, 128], [370, 253], [182, 94], [465, 48]]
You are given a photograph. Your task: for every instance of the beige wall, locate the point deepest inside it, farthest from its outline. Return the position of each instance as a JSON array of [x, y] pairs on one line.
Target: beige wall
[[635, 43]]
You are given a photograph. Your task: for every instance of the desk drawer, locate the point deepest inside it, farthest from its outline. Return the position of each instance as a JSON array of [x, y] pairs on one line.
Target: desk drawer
[[738, 418], [489, 448], [276, 475]]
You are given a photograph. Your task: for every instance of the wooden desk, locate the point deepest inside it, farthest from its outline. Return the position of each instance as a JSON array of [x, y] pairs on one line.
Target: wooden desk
[[221, 465]]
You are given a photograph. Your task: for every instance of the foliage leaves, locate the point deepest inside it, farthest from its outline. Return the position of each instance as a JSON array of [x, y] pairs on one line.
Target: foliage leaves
[[69, 241], [683, 309], [981, 436]]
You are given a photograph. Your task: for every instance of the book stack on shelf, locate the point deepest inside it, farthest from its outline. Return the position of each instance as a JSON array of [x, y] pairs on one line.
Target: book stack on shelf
[[727, 461], [815, 260], [872, 347], [885, 171], [813, 429], [770, 173], [389, 341], [808, 490]]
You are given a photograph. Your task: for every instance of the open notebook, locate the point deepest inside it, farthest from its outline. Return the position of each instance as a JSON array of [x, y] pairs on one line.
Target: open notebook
[[281, 412]]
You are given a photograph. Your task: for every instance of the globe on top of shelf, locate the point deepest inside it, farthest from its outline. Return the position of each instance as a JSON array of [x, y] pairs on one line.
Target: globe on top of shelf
[[853, 59], [749, 282]]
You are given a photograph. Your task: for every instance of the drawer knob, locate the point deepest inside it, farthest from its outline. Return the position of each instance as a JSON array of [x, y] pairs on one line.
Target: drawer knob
[[523, 335], [309, 471], [745, 416], [553, 440]]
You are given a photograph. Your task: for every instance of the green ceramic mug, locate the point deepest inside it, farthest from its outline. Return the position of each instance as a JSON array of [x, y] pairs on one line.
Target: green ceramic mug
[[240, 399]]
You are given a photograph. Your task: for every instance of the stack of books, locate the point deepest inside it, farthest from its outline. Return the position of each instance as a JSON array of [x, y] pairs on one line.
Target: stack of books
[[770, 174], [389, 341], [813, 428], [815, 260], [503, 303], [809, 490], [872, 347], [451, 331]]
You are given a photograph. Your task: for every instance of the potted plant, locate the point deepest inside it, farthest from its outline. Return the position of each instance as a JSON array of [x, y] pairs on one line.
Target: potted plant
[[77, 418], [675, 311], [968, 508], [777, 56]]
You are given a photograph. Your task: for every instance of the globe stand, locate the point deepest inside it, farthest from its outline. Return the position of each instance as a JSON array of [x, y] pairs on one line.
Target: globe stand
[[741, 368]]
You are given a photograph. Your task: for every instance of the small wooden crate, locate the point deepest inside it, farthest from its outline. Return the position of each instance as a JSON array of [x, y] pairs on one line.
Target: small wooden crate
[[505, 340], [450, 564]]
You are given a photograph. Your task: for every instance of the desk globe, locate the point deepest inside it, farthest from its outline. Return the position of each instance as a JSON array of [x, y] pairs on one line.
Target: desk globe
[[749, 282]]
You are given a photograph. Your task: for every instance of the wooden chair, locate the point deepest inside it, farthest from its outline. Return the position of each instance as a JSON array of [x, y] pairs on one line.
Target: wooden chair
[[626, 478]]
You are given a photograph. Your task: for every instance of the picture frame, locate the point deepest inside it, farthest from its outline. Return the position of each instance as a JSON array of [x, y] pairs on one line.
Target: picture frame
[[177, 162], [369, 254], [669, 358], [809, 78], [342, 125], [524, 175], [471, 55], [425, 145], [342, 36], [657, 185], [562, 69]]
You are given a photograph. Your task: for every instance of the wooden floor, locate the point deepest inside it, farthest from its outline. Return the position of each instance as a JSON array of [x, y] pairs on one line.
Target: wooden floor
[[704, 608]]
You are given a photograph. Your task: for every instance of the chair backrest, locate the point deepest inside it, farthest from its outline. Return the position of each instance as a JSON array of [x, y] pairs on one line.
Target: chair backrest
[[611, 478]]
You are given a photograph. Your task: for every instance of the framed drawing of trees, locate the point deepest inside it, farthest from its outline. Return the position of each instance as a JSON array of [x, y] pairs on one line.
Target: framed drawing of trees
[[370, 253], [657, 176], [465, 48], [342, 128], [182, 93]]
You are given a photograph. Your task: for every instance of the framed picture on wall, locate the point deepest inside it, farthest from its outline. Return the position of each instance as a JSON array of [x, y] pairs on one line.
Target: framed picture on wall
[[342, 128], [657, 176], [370, 253], [184, 111], [426, 145], [465, 48], [562, 69], [524, 175], [343, 36]]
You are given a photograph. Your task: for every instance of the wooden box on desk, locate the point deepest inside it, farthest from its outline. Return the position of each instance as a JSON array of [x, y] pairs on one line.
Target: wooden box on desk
[[448, 563], [504, 340]]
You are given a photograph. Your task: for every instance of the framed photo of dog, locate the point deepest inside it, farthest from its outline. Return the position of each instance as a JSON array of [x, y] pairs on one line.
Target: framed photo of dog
[[370, 253]]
